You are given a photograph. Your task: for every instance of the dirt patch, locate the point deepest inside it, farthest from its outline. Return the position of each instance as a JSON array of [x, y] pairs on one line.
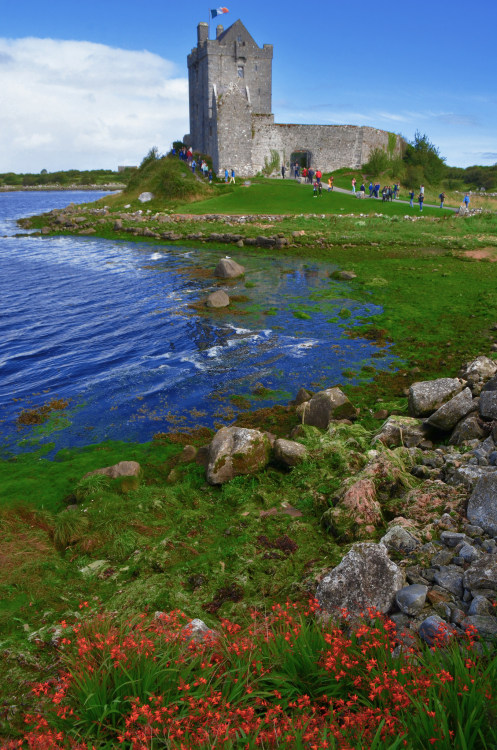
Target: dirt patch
[[482, 253]]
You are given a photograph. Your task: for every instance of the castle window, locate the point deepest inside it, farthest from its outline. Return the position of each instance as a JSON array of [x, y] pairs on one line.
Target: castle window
[[241, 72], [239, 39], [256, 68]]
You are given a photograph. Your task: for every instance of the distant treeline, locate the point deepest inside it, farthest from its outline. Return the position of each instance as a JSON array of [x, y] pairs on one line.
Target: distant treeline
[[420, 163], [67, 177]]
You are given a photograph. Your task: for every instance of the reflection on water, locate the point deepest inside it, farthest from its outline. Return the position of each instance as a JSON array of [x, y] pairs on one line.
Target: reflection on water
[[110, 326]]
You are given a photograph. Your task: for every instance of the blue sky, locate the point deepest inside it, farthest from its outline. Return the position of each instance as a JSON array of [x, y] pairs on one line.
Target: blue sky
[[97, 84]]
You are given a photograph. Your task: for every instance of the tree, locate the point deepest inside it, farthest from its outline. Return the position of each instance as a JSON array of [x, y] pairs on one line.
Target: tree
[[421, 153]]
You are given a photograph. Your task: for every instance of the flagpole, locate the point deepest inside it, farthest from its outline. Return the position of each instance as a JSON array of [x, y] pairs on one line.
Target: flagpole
[[209, 23]]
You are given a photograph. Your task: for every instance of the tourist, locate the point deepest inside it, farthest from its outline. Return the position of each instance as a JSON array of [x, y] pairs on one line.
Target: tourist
[[353, 184], [331, 178], [232, 178], [283, 170], [304, 174], [226, 176], [422, 190], [330, 184], [411, 198], [384, 194], [377, 190], [421, 198], [193, 164], [297, 170], [209, 176], [310, 173], [442, 199], [362, 189], [318, 176], [395, 190], [370, 188], [315, 190], [466, 200]]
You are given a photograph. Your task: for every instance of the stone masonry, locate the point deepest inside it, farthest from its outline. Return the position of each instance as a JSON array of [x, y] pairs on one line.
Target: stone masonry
[[230, 83]]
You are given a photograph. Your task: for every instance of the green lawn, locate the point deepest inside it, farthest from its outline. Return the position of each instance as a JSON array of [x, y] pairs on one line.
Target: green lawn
[[274, 196]]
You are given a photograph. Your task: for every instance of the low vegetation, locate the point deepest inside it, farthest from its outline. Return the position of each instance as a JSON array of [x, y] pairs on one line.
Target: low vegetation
[[87, 560]]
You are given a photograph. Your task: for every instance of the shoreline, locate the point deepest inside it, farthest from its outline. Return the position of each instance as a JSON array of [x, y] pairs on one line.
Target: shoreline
[[61, 188]]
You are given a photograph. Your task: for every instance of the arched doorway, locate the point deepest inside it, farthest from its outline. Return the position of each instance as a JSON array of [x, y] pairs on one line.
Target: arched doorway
[[302, 157]]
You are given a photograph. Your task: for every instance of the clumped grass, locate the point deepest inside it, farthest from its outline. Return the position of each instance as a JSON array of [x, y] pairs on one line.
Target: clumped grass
[[280, 679]]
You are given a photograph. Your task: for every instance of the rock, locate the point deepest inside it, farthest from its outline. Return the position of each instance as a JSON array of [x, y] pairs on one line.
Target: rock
[[189, 453], [452, 538], [289, 453], [218, 299], [94, 568], [325, 406], [429, 395], [196, 630], [481, 606], [478, 372], [481, 577], [227, 268], [235, 451], [366, 577], [302, 396], [482, 505], [146, 197], [448, 415], [411, 599], [488, 404], [468, 553], [381, 414], [450, 578], [122, 469], [400, 539], [484, 624], [469, 428], [434, 630], [344, 275], [118, 225], [399, 430]]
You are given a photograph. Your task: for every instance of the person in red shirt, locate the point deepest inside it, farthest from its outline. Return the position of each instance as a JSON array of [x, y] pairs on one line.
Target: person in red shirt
[[319, 174]]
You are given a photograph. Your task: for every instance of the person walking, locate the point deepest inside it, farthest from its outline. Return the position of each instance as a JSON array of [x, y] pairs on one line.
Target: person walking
[[395, 191], [466, 200], [442, 199], [421, 198], [353, 184], [283, 170], [318, 176], [422, 190], [232, 178], [411, 198], [226, 176], [330, 184], [209, 176]]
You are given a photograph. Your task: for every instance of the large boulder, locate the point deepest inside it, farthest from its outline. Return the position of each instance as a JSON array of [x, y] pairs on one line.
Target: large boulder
[[366, 577], [400, 539], [482, 505], [429, 395], [400, 430], [218, 299], [146, 197], [122, 469], [325, 406], [234, 451], [478, 372], [289, 453], [448, 415], [227, 268]]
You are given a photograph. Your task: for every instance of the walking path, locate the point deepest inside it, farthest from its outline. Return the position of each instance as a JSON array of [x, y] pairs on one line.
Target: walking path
[[397, 200]]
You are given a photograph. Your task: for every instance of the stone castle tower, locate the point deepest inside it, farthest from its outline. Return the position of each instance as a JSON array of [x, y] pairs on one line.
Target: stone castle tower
[[230, 82]]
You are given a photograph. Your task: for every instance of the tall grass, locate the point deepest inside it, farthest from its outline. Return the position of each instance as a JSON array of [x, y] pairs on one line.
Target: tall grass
[[284, 680]]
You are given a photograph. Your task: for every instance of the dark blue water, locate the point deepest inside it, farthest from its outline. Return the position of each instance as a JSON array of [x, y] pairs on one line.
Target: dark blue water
[[109, 326]]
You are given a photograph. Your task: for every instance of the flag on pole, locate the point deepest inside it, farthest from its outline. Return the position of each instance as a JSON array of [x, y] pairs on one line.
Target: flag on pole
[[218, 12]]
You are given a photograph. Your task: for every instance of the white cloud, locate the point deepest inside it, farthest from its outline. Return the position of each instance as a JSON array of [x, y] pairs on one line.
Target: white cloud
[[68, 104]]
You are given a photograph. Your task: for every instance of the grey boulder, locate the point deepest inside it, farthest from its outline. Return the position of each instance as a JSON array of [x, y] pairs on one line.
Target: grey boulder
[[400, 430], [434, 630], [366, 577], [469, 428], [482, 505], [218, 299], [400, 539], [325, 406], [235, 451], [227, 268], [448, 415], [289, 453], [481, 577], [411, 599], [122, 469], [427, 396]]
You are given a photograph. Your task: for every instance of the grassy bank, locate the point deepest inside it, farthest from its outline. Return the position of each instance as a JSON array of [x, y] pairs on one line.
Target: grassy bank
[[167, 540]]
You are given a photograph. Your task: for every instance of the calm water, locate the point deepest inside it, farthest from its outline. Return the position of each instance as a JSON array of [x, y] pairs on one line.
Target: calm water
[[109, 326]]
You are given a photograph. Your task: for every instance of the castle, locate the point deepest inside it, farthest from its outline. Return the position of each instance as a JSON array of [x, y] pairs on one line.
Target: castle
[[230, 81]]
